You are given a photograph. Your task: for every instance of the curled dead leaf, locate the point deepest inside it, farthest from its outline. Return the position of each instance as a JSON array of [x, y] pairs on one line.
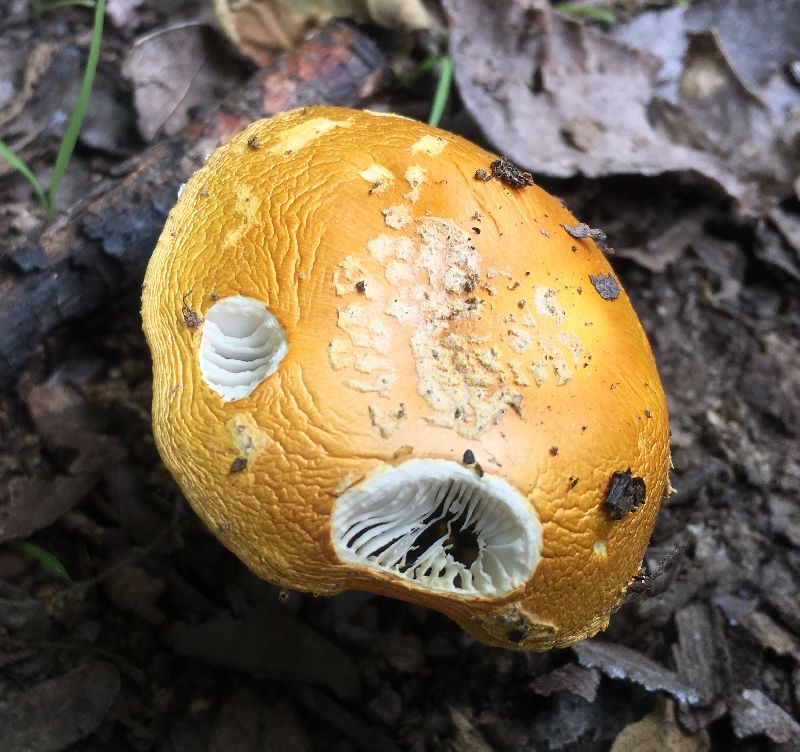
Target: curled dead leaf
[[262, 29]]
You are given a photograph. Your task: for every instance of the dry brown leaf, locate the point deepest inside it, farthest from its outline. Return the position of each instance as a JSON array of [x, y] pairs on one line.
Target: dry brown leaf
[[659, 732], [123, 13], [262, 29], [79, 451], [133, 590], [35, 503], [174, 69]]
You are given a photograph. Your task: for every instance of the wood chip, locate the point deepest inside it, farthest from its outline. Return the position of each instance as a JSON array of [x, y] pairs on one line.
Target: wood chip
[[701, 654], [753, 713], [570, 678], [620, 662]]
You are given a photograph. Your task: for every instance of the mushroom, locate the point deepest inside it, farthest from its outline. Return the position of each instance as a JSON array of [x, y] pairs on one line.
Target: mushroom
[[374, 370]]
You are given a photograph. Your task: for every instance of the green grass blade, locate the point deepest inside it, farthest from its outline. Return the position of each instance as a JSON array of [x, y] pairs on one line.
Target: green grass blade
[[426, 66], [20, 166], [42, 556], [442, 90], [592, 12], [67, 145]]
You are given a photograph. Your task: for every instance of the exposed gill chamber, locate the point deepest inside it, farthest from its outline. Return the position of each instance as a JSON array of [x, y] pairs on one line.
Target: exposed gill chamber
[[439, 525]]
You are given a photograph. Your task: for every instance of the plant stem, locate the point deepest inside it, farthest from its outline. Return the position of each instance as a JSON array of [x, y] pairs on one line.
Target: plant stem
[[70, 138], [442, 90]]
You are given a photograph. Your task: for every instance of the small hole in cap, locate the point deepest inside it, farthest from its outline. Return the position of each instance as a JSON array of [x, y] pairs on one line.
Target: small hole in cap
[[242, 343]]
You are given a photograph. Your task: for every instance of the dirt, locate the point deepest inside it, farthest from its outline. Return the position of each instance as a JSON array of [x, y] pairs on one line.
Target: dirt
[[161, 640]]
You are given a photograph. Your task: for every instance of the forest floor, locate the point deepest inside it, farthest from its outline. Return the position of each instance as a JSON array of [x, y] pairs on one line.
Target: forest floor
[[161, 640]]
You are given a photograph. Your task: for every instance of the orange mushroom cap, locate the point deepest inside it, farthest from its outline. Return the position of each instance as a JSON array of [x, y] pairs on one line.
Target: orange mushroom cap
[[373, 370]]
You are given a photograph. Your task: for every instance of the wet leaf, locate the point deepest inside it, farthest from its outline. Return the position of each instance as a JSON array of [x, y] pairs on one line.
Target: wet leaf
[[31, 504], [771, 635], [79, 450], [58, 712], [247, 722], [269, 641], [135, 591]]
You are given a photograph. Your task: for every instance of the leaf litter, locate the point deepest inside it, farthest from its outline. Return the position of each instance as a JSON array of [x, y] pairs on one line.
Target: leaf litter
[[698, 91], [718, 297]]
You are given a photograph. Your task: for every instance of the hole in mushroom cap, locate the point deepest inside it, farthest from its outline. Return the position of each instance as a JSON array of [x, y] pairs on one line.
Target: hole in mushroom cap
[[439, 525], [242, 343]]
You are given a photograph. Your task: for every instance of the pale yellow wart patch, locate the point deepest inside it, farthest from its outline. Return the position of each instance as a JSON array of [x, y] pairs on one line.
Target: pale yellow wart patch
[[305, 133], [427, 284], [560, 368], [382, 247], [369, 363], [397, 216], [600, 549], [573, 345], [415, 177], [245, 208], [386, 421], [340, 354], [381, 383], [248, 439], [431, 145], [491, 273], [520, 341], [546, 304], [363, 328], [539, 370], [398, 272], [351, 272], [379, 177], [520, 379]]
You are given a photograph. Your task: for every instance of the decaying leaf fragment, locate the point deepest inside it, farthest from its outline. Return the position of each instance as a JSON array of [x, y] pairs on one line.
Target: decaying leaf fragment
[[261, 29], [174, 69], [659, 732]]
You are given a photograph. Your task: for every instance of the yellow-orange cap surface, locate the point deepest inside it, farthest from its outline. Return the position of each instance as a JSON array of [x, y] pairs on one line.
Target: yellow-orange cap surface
[[373, 370]]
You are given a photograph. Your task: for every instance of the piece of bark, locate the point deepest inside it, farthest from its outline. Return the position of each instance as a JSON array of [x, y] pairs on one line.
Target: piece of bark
[[99, 249], [701, 652], [621, 662]]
